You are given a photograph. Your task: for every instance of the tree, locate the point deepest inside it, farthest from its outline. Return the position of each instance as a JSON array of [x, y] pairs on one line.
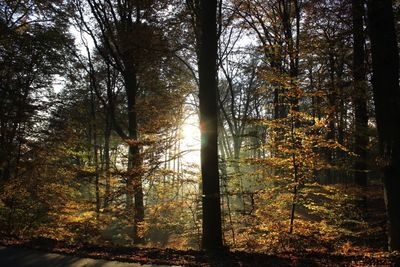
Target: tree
[[32, 52], [385, 83], [360, 94], [121, 29], [326, 44], [207, 63]]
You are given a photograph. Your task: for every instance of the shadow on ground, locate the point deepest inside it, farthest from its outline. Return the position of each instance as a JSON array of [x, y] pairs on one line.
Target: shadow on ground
[[21, 257]]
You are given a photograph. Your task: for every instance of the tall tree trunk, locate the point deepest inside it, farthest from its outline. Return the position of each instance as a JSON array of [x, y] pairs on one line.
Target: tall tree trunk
[[295, 166], [93, 131], [385, 81], [212, 232], [134, 181], [224, 179], [360, 94], [106, 153], [332, 101], [109, 108]]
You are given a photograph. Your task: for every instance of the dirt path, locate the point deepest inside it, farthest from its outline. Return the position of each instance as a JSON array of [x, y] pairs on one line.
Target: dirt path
[[21, 257]]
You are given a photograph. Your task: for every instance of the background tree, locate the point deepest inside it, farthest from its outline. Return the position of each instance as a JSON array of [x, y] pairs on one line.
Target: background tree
[[123, 27], [360, 94]]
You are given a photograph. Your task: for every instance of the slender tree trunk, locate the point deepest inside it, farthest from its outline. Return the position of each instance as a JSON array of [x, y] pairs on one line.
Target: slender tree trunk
[[360, 94], [95, 150], [224, 152], [385, 81], [212, 232], [225, 188], [236, 167], [331, 135], [134, 181], [106, 153], [107, 134], [341, 118], [295, 175]]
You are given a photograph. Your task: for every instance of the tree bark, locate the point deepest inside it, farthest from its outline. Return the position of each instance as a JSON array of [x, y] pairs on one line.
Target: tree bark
[[332, 102], [134, 179], [212, 232], [385, 82], [106, 154], [360, 94], [95, 150]]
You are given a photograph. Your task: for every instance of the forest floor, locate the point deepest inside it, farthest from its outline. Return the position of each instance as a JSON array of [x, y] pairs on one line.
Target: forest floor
[[170, 257], [367, 248]]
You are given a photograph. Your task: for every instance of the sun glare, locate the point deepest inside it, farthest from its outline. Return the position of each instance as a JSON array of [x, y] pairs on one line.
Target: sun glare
[[190, 144]]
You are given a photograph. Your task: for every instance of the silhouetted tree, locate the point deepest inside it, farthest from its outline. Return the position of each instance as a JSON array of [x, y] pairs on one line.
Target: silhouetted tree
[[385, 81], [207, 42], [360, 94]]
